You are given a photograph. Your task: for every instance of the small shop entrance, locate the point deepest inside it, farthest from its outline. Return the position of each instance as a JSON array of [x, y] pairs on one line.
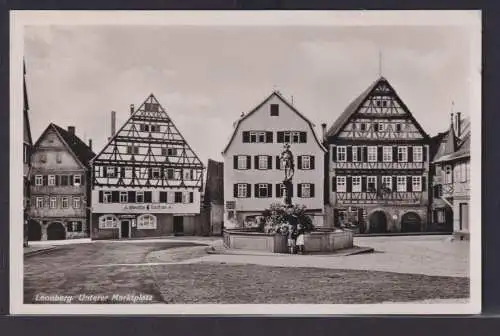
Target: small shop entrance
[[125, 228], [178, 225]]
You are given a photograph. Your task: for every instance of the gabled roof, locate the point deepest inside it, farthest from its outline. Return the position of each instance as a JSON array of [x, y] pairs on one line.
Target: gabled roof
[[451, 143], [358, 102], [280, 97], [459, 148], [26, 108], [80, 150]]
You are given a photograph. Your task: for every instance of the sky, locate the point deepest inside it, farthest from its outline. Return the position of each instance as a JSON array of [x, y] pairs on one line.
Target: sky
[[205, 77]]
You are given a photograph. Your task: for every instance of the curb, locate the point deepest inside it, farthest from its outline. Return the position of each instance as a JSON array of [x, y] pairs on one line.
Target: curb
[[41, 251]]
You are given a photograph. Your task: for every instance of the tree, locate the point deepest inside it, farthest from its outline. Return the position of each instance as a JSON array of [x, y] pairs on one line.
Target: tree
[[279, 215]]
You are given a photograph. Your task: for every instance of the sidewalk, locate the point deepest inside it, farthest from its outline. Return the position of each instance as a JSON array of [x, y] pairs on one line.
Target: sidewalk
[[32, 250]]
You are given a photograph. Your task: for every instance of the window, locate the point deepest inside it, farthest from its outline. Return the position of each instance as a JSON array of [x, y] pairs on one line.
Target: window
[[106, 197], [170, 173], [38, 180], [43, 158], [187, 174], [178, 197], [242, 162], [306, 162], [131, 149], [355, 154], [108, 222], [139, 197], [306, 190], [363, 127], [77, 180], [418, 154], [262, 162], [39, 202], [76, 202], [341, 185], [64, 202], [177, 174], [170, 197], [286, 137], [111, 171], [275, 110], [375, 127], [257, 136], [398, 128], [371, 183], [146, 222], [155, 172], [356, 184], [172, 151], [387, 182], [381, 127], [75, 226], [402, 154], [372, 153], [401, 183], [242, 190], [378, 103], [416, 183], [155, 128], [448, 178], [295, 137], [341, 153], [52, 180], [387, 154], [123, 197], [144, 128], [384, 103], [53, 202], [354, 126], [185, 197], [263, 190], [292, 137]]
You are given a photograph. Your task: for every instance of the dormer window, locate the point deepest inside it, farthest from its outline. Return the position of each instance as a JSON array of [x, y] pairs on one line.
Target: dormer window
[[275, 110]]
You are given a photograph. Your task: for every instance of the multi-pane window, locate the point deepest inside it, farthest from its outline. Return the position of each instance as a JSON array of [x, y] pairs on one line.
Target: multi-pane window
[[188, 173], [416, 182], [106, 197], [108, 222], [39, 202], [75, 226], [401, 183], [242, 190], [263, 190], [262, 162], [139, 197], [381, 127], [402, 154], [52, 180], [171, 151], [132, 149], [170, 173], [242, 162], [341, 153], [76, 202], [123, 197], [306, 190], [177, 174], [355, 154], [110, 171], [146, 221], [156, 172], [64, 202], [306, 162], [372, 153], [371, 183], [53, 202], [356, 184], [257, 136], [38, 180], [77, 180], [418, 154], [341, 184], [387, 154], [387, 182]]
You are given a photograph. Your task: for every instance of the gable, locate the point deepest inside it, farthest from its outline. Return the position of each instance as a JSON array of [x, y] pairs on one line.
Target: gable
[[50, 151], [377, 114]]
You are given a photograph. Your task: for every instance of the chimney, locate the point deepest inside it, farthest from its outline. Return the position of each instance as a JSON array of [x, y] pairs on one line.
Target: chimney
[[131, 109], [90, 144], [458, 123], [71, 129], [323, 128], [113, 123]]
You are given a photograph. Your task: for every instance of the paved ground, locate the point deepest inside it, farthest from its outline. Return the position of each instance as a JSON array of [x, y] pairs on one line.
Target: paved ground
[[176, 270]]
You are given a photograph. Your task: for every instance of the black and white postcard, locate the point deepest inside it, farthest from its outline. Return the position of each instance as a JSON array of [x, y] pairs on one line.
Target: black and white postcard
[[264, 162]]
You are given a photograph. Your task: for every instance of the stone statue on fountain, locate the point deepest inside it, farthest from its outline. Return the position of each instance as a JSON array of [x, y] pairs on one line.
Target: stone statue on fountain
[[289, 168]]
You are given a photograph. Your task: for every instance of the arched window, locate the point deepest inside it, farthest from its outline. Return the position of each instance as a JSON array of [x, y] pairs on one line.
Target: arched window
[[146, 222], [108, 222]]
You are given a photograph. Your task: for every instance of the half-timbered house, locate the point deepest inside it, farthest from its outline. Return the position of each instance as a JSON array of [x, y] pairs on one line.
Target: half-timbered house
[[379, 163], [60, 186], [253, 173], [146, 180]]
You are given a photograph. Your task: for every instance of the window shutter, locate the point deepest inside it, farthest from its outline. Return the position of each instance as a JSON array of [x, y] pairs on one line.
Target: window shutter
[[334, 153], [299, 190], [312, 189], [408, 183], [280, 136], [291, 191], [150, 173], [58, 180], [424, 182], [162, 172], [71, 180], [33, 180], [82, 179], [410, 153], [115, 196], [131, 196], [249, 190], [349, 153], [365, 154], [269, 137], [334, 183], [269, 162], [256, 162], [363, 183], [394, 183], [424, 153], [360, 153], [278, 162], [303, 137], [122, 172], [191, 197], [311, 161], [256, 192], [278, 190], [235, 162], [246, 136], [394, 153], [380, 154], [44, 180], [348, 183], [104, 171], [249, 162], [299, 162], [101, 197], [235, 190], [269, 190], [147, 197]]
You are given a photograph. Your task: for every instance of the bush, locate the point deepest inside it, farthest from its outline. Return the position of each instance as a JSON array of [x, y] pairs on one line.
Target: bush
[[279, 215]]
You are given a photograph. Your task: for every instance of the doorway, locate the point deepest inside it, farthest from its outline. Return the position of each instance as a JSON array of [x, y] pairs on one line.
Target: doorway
[[178, 225], [34, 230], [125, 229], [378, 222], [411, 222], [56, 231]]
